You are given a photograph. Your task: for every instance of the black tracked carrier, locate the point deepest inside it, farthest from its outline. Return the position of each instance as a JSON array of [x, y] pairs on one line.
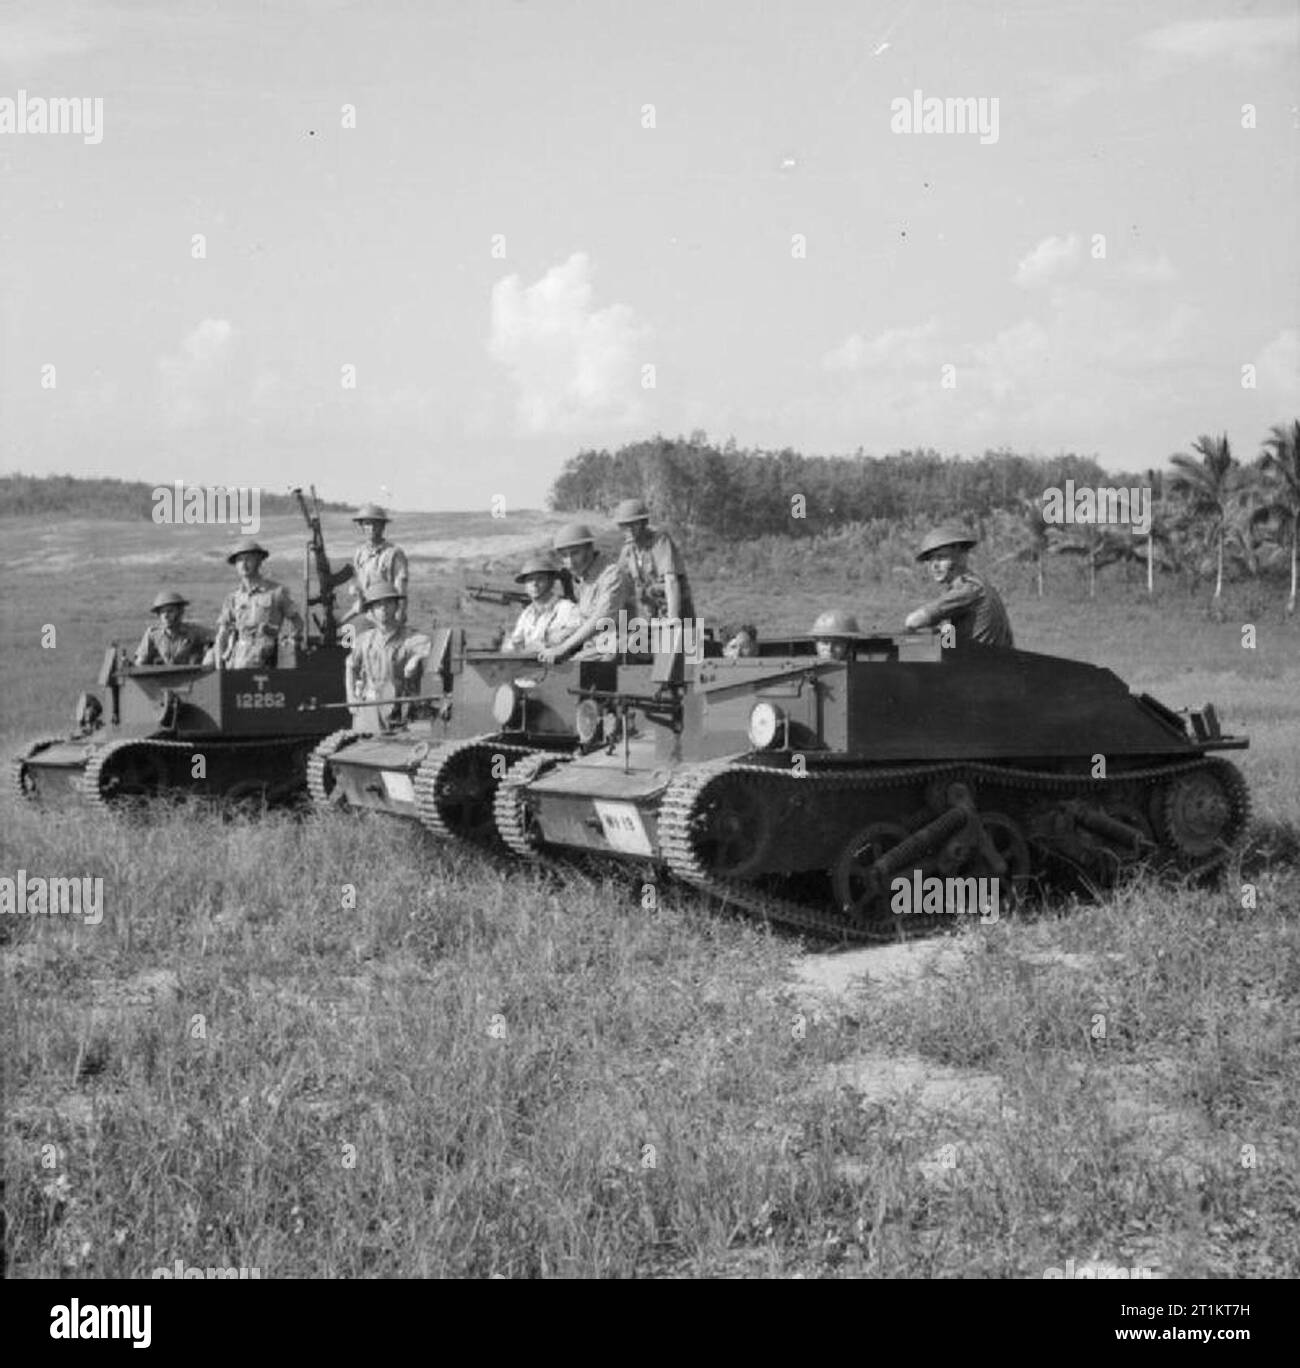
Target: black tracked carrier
[[229, 734], [859, 799]]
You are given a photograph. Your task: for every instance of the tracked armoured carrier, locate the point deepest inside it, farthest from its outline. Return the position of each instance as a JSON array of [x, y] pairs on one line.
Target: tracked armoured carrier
[[440, 759], [822, 794], [192, 729], [230, 734]]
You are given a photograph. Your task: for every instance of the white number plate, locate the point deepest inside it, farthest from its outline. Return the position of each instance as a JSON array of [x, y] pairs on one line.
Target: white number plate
[[398, 786], [623, 829]]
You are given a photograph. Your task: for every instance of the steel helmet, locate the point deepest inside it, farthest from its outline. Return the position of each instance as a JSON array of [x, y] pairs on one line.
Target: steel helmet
[[948, 535], [540, 564], [573, 534], [370, 512], [167, 598], [835, 623], [379, 591], [244, 548], [631, 511]]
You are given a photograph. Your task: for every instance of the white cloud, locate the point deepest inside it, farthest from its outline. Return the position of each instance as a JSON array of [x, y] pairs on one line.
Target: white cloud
[[1278, 367], [1053, 256], [1246, 42], [191, 379], [573, 365], [914, 346], [1068, 370]]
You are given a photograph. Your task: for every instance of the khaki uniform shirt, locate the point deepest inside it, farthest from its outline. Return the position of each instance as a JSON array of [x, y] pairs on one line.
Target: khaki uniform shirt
[[606, 591], [544, 623], [377, 669], [255, 617], [647, 567], [185, 646], [382, 562], [975, 610]]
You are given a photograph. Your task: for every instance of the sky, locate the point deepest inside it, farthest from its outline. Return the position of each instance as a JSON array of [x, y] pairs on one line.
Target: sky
[[425, 252]]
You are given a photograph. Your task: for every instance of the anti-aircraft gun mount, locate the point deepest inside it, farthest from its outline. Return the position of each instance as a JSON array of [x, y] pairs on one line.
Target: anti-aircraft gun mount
[[804, 789]]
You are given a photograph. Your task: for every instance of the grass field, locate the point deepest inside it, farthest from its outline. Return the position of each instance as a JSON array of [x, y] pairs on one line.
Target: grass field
[[332, 1047]]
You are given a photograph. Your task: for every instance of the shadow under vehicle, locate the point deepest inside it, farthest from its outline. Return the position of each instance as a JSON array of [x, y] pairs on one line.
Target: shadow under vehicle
[[818, 793]]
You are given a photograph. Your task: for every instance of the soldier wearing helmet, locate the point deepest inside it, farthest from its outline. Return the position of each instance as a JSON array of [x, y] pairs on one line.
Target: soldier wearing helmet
[[604, 590], [654, 563], [834, 633], [385, 663], [172, 640], [375, 560], [967, 599], [549, 617], [253, 614]]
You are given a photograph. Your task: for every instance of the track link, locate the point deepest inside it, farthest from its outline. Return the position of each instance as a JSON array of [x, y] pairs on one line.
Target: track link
[[438, 773], [509, 808], [318, 767], [18, 766]]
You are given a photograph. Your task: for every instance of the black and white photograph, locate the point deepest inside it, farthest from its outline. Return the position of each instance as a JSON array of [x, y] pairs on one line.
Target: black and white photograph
[[649, 641]]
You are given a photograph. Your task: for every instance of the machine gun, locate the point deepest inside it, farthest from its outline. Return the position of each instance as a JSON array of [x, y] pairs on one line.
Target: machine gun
[[327, 624], [497, 593], [504, 595]]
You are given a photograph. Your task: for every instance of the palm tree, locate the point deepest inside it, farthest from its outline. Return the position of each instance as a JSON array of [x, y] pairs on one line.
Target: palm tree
[[1032, 534], [1102, 546], [1208, 486], [1156, 484], [1281, 463]]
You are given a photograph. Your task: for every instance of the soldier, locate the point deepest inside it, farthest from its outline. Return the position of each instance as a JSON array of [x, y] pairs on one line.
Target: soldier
[[968, 600], [253, 614], [834, 632], [654, 563], [374, 560], [387, 662], [550, 617], [604, 590], [172, 641], [744, 644]]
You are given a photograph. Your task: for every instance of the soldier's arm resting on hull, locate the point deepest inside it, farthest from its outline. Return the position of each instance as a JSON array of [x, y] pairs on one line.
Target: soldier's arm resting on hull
[[144, 652], [612, 588], [962, 593]]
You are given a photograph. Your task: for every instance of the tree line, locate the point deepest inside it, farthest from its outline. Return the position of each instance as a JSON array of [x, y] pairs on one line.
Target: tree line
[[27, 495], [1211, 515], [732, 492]]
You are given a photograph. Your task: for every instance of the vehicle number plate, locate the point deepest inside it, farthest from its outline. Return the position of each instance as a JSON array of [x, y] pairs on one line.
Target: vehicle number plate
[[623, 829], [398, 786]]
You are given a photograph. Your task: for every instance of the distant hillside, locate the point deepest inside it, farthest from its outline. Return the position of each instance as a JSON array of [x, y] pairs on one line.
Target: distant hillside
[[27, 495]]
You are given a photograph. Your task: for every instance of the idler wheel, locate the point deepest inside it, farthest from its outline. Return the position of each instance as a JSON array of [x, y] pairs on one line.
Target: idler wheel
[[1197, 814], [731, 826], [859, 892]]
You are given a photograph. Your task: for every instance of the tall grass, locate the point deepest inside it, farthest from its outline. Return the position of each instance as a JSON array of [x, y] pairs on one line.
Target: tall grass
[[333, 1047]]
